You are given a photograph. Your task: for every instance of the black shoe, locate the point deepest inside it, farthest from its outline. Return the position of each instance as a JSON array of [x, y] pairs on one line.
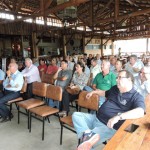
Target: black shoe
[[5, 119]]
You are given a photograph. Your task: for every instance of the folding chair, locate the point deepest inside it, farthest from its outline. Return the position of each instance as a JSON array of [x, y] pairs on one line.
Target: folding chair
[[92, 104], [53, 92]]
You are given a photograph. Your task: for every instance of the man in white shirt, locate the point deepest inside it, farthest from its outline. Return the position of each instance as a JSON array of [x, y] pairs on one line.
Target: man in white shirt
[[134, 65], [12, 86], [31, 73], [142, 82]]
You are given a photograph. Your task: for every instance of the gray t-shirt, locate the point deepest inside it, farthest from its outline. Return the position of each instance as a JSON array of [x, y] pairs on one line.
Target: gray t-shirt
[[64, 73]]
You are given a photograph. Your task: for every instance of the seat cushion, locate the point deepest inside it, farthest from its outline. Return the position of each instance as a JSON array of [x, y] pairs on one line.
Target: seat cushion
[[67, 120], [15, 100], [30, 103], [44, 111]]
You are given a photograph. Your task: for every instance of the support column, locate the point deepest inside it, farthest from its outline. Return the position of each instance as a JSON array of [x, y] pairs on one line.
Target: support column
[[147, 44], [102, 47], [113, 47], [84, 44], [33, 45], [64, 45]]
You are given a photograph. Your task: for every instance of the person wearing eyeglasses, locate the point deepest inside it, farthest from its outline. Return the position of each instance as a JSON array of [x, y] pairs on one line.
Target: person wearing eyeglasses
[[123, 102], [142, 82]]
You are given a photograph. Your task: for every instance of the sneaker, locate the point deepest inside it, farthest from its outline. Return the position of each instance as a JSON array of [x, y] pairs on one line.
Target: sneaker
[[88, 141]]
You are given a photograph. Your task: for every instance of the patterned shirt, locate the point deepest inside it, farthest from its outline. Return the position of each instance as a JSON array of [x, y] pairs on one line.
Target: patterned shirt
[[80, 80]]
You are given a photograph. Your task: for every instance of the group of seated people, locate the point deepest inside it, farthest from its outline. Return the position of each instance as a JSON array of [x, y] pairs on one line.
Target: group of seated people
[[122, 89]]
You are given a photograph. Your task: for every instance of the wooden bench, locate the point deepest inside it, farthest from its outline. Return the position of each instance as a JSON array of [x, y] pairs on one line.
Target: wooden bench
[[139, 139]]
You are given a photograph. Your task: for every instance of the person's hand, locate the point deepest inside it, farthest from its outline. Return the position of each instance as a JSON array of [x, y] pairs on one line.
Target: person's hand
[[73, 87], [59, 69], [8, 86], [71, 84], [113, 121], [42, 69], [8, 73], [89, 95]]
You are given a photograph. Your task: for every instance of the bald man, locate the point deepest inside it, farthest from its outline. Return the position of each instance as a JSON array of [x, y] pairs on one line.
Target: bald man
[[12, 86]]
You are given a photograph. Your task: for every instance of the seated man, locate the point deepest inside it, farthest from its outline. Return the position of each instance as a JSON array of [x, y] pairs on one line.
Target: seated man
[[31, 73], [63, 77], [134, 65], [103, 80], [142, 82], [123, 102], [12, 86]]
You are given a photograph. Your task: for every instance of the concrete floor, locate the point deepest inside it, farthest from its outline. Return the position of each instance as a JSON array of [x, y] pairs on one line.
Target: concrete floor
[[14, 136]]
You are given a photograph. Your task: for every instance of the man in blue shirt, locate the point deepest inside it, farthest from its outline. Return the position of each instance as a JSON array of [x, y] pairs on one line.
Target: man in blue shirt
[[123, 102], [12, 86]]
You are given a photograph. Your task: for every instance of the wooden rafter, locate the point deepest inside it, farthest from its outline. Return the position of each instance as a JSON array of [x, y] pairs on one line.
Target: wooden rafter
[[133, 14], [20, 4], [7, 6]]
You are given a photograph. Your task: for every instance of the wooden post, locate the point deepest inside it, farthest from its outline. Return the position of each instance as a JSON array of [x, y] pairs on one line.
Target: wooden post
[[147, 44], [64, 45], [112, 51], [102, 47], [34, 47]]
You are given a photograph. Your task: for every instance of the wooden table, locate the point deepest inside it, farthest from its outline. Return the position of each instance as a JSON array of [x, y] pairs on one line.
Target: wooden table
[[138, 140]]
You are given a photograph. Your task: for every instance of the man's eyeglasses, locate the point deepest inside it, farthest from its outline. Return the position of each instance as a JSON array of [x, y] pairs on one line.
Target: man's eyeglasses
[[119, 77], [143, 72]]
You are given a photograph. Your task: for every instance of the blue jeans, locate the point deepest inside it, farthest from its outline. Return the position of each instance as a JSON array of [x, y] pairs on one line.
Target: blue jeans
[[53, 103], [4, 98], [84, 121], [101, 99]]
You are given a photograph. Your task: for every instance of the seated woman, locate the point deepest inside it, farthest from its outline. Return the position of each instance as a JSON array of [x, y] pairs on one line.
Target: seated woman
[[79, 80], [52, 68], [118, 67], [42, 67]]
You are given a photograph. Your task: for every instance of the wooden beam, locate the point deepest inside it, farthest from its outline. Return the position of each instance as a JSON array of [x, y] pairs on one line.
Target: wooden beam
[[7, 6], [106, 6], [14, 5], [131, 2], [133, 14], [64, 5], [47, 3], [21, 3], [116, 8]]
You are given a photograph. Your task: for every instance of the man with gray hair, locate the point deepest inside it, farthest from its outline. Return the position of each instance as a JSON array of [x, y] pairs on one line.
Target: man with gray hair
[[134, 65], [123, 102], [12, 86], [103, 80], [142, 82], [31, 73]]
